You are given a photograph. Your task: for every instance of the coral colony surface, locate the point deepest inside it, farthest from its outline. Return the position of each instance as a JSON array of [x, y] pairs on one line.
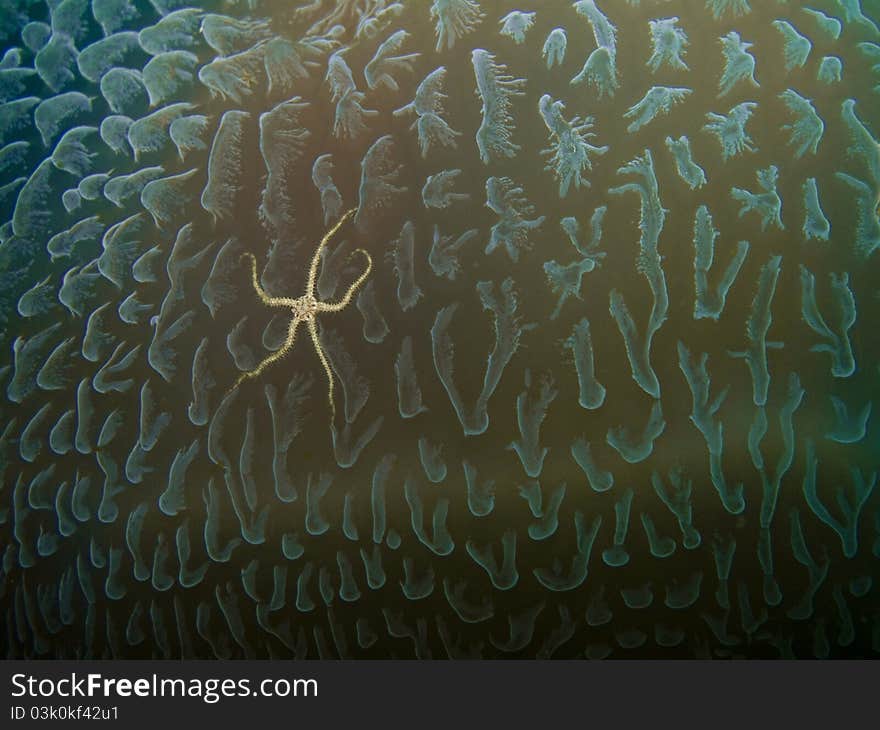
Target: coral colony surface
[[439, 328]]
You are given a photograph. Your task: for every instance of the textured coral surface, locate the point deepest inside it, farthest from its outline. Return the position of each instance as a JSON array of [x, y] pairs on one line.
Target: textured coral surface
[[588, 370]]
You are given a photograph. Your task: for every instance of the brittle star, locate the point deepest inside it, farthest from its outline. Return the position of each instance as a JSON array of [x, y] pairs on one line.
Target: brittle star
[[305, 310]]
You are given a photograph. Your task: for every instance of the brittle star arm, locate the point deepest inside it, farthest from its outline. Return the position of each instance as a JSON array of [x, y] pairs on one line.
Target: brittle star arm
[[358, 283], [269, 301], [319, 350], [286, 347], [313, 267]]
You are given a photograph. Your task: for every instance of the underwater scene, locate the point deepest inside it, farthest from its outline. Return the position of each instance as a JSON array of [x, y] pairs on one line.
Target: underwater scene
[[439, 328]]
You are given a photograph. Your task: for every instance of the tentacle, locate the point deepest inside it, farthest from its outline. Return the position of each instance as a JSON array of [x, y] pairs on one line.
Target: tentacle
[[313, 268], [319, 349], [358, 283]]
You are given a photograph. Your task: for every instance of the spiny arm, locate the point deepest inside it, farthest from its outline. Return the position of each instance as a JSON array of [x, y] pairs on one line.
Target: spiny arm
[[286, 347], [313, 268], [269, 301], [319, 349], [358, 283]]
